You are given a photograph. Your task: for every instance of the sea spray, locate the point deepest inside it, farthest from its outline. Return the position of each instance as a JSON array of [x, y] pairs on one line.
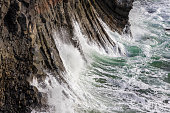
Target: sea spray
[[133, 80], [118, 50], [59, 97], [78, 97], [75, 66]]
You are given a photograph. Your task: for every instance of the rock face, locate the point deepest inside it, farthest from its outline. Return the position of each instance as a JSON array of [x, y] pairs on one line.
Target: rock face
[[27, 46]]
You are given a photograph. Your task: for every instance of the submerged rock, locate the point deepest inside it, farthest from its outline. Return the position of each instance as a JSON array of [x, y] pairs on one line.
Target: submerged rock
[[27, 46]]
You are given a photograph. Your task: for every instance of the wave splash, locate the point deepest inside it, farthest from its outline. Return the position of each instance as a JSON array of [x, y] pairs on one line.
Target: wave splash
[[133, 76]]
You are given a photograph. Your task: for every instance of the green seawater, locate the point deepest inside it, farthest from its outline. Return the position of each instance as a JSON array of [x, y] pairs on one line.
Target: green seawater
[[138, 82]]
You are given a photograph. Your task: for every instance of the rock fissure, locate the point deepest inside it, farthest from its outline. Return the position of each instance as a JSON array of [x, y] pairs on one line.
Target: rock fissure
[[27, 45]]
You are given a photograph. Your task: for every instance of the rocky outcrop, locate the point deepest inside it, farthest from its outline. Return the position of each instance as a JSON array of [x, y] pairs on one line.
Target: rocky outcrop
[[27, 47]]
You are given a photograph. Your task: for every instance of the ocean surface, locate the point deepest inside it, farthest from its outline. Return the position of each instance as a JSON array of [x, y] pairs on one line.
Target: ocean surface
[[137, 80]]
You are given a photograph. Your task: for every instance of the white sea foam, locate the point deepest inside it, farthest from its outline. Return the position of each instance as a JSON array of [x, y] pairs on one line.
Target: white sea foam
[[137, 87]]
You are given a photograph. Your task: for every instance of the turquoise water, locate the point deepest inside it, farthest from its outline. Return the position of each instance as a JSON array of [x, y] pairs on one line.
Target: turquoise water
[[135, 81], [139, 81]]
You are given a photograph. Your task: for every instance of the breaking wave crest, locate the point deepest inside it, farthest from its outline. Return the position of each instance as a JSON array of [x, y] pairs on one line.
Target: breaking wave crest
[[137, 79]]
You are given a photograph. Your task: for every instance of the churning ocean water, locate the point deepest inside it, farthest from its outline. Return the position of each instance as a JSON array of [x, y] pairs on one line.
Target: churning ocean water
[[136, 81]]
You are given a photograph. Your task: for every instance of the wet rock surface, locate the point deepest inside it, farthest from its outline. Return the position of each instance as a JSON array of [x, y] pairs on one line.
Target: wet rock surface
[[27, 46]]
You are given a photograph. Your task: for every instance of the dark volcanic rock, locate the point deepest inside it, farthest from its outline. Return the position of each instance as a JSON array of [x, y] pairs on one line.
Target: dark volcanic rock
[[27, 47]]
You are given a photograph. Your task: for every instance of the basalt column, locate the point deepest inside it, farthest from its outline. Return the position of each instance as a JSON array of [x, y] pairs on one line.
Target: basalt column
[[27, 46]]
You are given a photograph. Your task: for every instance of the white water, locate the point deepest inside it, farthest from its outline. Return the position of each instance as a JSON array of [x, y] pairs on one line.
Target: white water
[[109, 83]]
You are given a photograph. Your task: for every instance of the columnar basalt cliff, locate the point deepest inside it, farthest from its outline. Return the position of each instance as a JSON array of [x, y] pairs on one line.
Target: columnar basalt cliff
[[27, 47]]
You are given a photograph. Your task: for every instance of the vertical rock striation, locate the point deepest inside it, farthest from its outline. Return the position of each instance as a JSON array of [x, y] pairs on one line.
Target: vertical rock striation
[[27, 46]]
